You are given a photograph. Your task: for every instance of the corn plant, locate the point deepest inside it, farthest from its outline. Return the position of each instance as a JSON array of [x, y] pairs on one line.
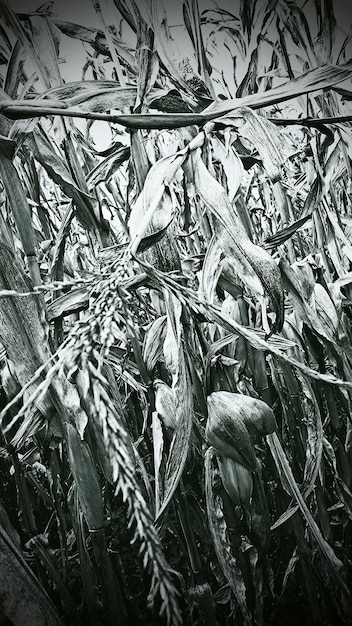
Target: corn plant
[[175, 314]]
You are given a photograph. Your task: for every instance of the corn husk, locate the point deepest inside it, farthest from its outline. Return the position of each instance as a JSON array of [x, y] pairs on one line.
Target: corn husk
[[257, 416], [237, 481], [226, 431]]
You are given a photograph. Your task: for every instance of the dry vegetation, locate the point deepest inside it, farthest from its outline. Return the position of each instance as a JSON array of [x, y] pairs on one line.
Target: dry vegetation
[[175, 317]]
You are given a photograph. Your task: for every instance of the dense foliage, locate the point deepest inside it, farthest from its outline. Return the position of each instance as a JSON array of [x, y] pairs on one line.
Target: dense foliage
[[175, 315]]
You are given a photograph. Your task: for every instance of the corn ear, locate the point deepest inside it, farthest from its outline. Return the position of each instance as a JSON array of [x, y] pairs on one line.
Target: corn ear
[[237, 480], [153, 342], [227, 433], [165, 404]]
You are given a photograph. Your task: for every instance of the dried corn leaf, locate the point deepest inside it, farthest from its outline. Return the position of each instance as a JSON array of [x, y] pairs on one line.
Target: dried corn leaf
[[22, 328], [182, 390], [193, 24], [231, 164], [72, 302], [333, 563], [303, 420], [103, 172], [158, 446], [19, 206], [86, 478], [311, 310], [23, 599], [255, 267], [96, 38], [25, 40], [46, 39], [218, 531], [270, 142], [148, 64], [319, 78], [255, 337], [56, 168], [179, 67]]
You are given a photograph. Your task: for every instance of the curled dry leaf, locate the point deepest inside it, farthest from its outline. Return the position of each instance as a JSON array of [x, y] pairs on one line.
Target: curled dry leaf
[[267, 138], [153, 209]]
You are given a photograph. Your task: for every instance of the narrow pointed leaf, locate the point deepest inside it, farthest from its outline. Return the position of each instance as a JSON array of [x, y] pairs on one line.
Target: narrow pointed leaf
[[333, 563], [285, 233]]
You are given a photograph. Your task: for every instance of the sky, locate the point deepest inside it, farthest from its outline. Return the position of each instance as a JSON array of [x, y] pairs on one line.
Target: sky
[[83, 10]]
